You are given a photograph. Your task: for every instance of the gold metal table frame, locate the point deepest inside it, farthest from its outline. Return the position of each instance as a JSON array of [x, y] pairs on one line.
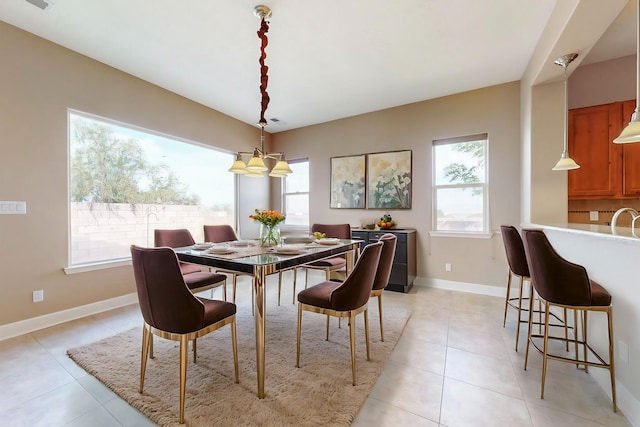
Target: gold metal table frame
[[261, 266]]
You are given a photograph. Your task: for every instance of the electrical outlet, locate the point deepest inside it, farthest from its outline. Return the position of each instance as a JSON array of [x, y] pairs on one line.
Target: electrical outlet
[[447, 267], [593, 215], [38, 296]]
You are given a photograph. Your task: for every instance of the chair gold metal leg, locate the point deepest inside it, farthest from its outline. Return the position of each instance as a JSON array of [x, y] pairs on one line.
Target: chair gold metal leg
[[366, 332], [195, 350], [584, 338], [224, 290], [151, 356], [352, 341], [566, 330], [545, 347], [235, 283], [519, 311], [234, 344], [279, 286], [299, 330], [328, 322], [526, 354], [184, 343], [306, 278], [145, 352], [575, 337], [612, 372], [506, 300], [380, 314]]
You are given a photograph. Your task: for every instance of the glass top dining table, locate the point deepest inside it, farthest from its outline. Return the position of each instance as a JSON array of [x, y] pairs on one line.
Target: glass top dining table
[[261, 262]]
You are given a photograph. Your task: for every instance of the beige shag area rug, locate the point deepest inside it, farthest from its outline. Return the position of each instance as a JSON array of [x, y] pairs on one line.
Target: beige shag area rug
[[319, 393]]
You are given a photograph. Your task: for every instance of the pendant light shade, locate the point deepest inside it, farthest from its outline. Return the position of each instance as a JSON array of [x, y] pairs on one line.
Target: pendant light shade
[[256, 165], [565, 163], [631, 133], [238, 166]]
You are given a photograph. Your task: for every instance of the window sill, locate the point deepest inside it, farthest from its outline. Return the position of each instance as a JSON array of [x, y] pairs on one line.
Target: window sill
[[466, 235], [83, 268]]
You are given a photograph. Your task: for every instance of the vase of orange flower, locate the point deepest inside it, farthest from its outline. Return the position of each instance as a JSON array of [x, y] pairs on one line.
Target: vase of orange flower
[[269, 226]]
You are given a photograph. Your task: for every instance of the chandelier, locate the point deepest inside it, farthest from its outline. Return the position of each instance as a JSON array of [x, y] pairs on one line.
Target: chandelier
[[256, 166]]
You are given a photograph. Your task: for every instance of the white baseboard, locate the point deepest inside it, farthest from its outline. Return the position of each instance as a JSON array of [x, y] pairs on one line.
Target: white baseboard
[[473, 288], [35, 323]]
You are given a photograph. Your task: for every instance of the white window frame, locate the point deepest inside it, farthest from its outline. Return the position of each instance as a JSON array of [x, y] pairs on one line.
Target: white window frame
[[79, 267], [486, 223], [297, 227]]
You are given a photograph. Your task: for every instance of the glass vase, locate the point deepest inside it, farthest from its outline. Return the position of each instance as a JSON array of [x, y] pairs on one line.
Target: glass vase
[[269, 235]]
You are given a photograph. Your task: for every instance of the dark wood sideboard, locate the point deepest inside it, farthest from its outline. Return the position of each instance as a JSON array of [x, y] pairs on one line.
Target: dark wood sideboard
[[403, 272]]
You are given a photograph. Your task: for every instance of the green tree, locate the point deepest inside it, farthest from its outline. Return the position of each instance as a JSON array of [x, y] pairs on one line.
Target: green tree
[[458, 172], [109, 169]]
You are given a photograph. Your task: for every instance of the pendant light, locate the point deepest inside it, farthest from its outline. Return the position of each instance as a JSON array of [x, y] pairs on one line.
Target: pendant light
[[565, 163], [632, 132], [256, 166]]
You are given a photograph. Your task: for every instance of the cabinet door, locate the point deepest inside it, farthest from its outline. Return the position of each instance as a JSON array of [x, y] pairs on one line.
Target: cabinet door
[[631, 157], [590, 139]]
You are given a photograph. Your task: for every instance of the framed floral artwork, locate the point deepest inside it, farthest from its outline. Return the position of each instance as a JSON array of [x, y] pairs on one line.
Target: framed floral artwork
[[389, 180], [348, 182]]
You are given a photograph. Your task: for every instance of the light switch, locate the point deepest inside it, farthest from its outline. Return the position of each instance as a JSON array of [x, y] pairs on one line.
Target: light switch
[[13, 208], [593, 215]]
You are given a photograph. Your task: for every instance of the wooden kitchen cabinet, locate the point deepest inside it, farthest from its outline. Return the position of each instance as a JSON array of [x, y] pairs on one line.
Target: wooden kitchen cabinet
[[607, 170]]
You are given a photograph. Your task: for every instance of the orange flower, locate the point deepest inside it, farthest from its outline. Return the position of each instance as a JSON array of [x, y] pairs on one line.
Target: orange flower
[[267, 217]]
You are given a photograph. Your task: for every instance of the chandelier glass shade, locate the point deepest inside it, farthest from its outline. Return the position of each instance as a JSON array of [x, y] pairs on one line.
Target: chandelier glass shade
[[256, 165]]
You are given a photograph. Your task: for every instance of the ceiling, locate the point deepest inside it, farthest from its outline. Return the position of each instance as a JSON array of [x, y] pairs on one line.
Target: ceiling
[[327, 60]]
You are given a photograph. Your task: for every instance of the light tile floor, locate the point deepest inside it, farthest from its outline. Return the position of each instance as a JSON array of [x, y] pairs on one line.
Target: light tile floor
[[454, 366]]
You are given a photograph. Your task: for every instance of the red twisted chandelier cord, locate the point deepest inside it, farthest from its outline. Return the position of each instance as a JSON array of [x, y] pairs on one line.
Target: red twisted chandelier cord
[[264, 79]]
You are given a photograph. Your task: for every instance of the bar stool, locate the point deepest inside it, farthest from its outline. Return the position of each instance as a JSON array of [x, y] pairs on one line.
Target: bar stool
[[518, 266], [564, 284]]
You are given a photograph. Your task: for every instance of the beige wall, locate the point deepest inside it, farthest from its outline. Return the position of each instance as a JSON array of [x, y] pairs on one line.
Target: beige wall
[[495, 110], [38, 82], [603, 82]]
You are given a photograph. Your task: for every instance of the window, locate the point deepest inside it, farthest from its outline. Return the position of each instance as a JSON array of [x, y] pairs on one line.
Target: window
[[295, 193], [124, 182], [460, 195]]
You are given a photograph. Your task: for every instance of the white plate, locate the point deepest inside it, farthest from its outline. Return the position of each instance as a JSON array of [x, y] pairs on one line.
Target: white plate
[[202, 246], [220, 251], [328, 241]]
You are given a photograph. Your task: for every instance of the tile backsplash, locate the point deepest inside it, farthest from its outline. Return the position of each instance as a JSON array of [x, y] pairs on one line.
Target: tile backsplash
[[580, 211]]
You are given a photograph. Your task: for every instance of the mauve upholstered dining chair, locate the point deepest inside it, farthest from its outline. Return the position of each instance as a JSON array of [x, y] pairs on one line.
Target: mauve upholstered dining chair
[[384, 271], [561, 283], [346, 299], [196, 279], [221, 234], [171, 311], [339, 231]]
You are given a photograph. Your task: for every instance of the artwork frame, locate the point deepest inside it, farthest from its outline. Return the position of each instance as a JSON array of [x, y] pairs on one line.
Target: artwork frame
[[389, 180], [348, 182]]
